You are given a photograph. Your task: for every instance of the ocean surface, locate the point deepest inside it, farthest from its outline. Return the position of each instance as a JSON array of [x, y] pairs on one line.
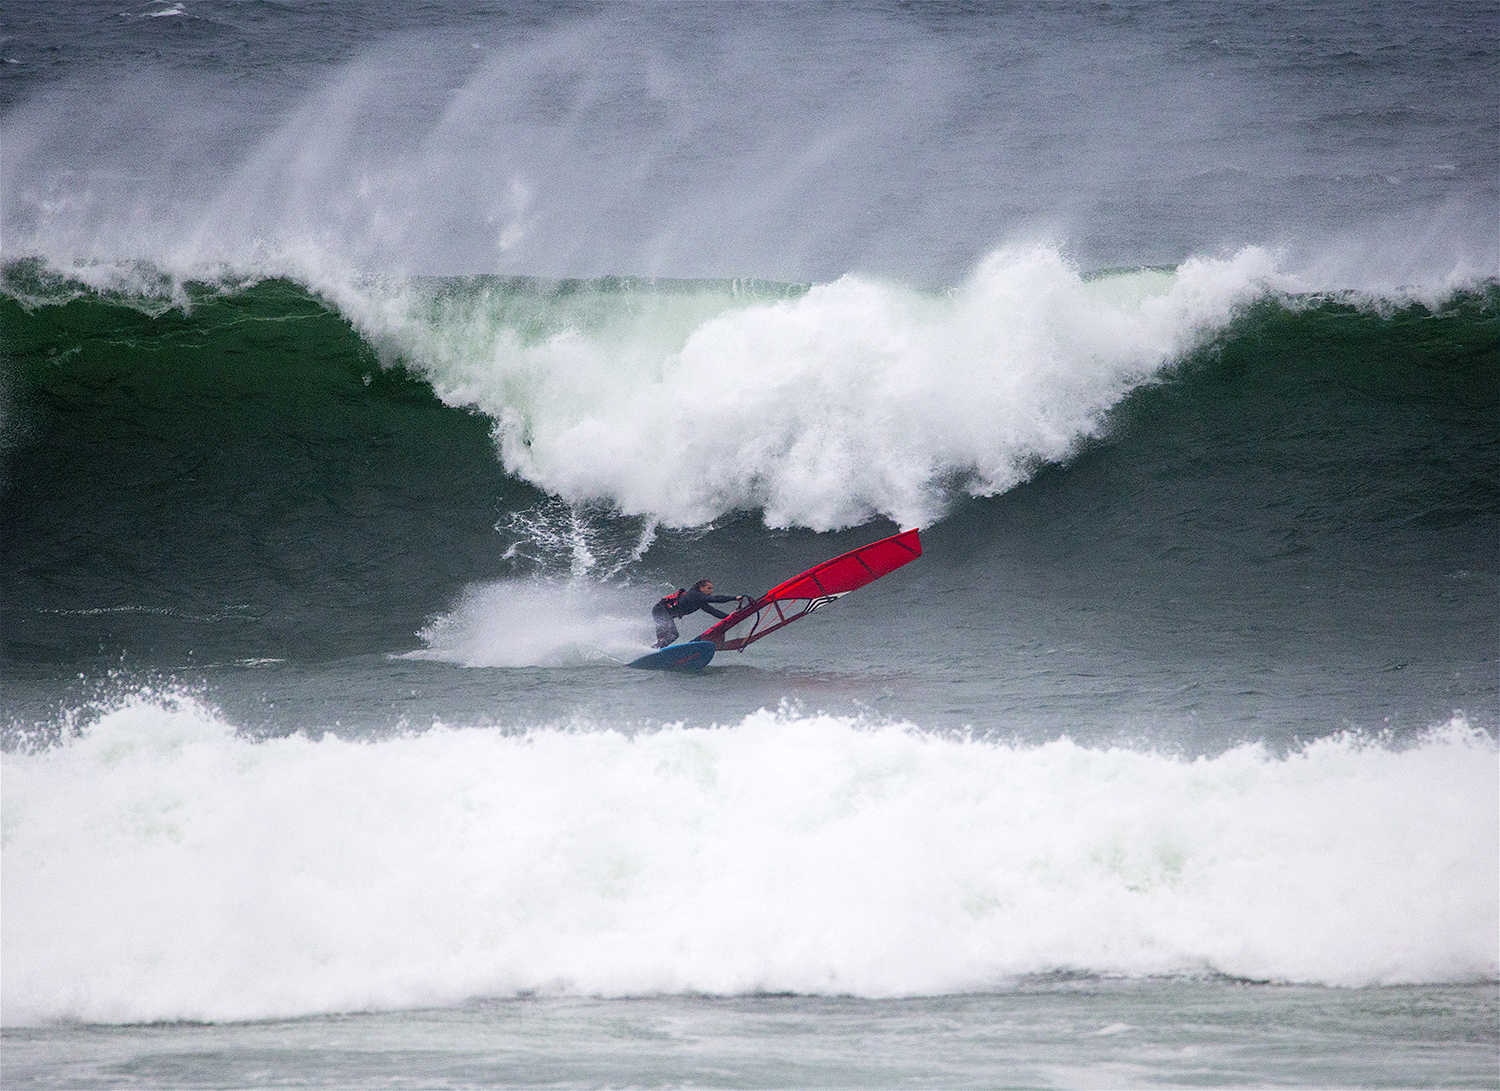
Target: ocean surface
[[368, 371]]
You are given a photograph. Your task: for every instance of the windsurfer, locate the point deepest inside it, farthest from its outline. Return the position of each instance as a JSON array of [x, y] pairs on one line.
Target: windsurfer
[[682, 602]]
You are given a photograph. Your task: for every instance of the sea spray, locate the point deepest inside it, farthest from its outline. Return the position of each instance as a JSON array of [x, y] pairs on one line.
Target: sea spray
[[162, 867], [538, 624]]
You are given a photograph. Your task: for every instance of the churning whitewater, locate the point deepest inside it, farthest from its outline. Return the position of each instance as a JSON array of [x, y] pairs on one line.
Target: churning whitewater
[[853, 400], [163, 868]]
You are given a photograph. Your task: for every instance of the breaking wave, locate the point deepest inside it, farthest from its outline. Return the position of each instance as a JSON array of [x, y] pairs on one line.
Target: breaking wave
[[161, 867]]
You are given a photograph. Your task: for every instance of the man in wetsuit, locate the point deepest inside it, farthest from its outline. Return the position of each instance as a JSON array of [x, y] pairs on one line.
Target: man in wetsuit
[[682, 603]]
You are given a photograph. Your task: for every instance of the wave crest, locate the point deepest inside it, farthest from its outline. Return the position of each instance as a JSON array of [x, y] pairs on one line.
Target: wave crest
[[852, 400]]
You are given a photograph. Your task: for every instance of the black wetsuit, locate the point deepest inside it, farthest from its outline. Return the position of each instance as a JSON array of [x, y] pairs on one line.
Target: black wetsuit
[[665, 613]]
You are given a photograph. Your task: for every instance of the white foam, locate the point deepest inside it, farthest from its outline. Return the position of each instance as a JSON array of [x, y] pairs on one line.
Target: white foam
[[857, 399], [160, 867]]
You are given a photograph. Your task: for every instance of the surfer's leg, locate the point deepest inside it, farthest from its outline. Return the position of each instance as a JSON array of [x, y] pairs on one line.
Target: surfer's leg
[[666, 628]]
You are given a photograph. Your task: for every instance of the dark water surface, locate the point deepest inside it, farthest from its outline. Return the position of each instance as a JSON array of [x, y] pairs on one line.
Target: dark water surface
[[1041, 1034]]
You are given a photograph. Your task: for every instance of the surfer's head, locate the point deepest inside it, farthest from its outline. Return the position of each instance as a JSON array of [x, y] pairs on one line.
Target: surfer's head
[[704, 585]]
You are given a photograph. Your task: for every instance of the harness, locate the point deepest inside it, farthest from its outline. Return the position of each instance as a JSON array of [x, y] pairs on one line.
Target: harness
[[671, 601]]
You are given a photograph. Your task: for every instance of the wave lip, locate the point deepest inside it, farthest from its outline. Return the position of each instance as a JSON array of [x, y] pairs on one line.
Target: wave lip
[[854, 400], [160, 867]]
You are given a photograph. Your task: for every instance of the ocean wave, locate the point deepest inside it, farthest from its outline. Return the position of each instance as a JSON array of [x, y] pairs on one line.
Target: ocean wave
[[160, 866], [680, 402]]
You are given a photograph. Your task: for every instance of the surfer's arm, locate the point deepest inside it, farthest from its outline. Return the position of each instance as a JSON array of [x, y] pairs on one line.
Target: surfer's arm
[[707, 609]]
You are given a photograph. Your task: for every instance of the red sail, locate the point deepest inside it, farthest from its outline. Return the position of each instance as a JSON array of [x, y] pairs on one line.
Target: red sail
[[818, 586]]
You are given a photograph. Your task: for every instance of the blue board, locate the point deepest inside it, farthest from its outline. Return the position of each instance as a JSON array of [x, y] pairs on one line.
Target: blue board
[[691, 655]]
